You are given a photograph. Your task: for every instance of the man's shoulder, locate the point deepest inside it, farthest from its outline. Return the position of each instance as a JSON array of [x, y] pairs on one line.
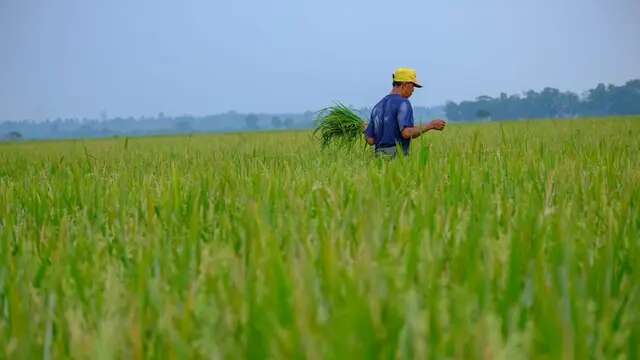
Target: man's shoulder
[[393, 101], [397, 99], [394, 98], [405, 101]]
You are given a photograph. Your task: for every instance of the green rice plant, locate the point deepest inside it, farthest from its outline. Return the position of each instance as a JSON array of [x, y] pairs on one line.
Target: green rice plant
[[510, 240], [338, 124]]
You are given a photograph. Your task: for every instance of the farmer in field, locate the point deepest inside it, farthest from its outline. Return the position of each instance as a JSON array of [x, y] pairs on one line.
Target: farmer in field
[[391, 121]]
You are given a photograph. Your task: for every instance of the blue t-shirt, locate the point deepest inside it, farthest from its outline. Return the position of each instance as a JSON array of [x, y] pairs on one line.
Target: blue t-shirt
[[388, 118]]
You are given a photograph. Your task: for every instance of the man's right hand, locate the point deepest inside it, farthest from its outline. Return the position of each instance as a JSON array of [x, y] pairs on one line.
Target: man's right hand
[[437, 124]]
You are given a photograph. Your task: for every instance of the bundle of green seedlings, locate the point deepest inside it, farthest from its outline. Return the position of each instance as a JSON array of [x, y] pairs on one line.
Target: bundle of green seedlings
[[338, 124]]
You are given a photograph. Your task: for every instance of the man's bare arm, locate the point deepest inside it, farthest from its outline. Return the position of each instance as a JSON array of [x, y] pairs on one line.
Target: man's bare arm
[[370, 140], [416, 131]]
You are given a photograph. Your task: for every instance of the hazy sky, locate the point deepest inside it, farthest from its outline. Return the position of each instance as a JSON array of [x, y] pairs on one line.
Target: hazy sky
[[75, 58]]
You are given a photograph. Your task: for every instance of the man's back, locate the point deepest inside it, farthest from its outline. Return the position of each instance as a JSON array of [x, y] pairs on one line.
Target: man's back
[[388, 118]]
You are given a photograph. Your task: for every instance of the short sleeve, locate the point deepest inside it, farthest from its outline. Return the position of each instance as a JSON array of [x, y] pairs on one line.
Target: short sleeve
[[405, 115], [370, 131]]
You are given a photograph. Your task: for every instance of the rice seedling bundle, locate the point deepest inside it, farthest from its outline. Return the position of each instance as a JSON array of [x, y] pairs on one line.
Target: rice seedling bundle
[[338, 124]]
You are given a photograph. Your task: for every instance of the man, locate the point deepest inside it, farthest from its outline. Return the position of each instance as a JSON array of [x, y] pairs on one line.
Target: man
[[391, 121]]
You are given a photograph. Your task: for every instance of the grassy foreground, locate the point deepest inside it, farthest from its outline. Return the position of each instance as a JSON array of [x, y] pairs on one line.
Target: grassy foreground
[[512, 240]]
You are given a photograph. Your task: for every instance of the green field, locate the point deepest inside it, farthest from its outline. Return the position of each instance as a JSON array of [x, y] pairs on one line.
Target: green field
[[497, 240]]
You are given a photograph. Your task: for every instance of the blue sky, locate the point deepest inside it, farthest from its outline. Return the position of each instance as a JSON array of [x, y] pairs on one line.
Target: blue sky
[[75, 58]]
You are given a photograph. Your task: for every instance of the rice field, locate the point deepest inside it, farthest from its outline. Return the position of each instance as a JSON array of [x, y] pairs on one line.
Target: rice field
[[494, 241]]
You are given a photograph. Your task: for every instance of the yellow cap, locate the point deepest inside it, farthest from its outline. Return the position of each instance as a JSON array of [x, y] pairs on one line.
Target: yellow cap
[[406, 75]]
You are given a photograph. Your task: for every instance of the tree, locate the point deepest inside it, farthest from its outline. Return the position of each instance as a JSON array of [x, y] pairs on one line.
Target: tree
[[251, 121], [597, 100], [625, 99], [483, 114], [484, 98], [452, 110], [13, 135], [288, 123], [276, 122], [183, 126]]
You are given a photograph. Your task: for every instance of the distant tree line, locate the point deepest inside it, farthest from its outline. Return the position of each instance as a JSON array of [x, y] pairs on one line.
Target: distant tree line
[[550, 103], [162, 124]]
